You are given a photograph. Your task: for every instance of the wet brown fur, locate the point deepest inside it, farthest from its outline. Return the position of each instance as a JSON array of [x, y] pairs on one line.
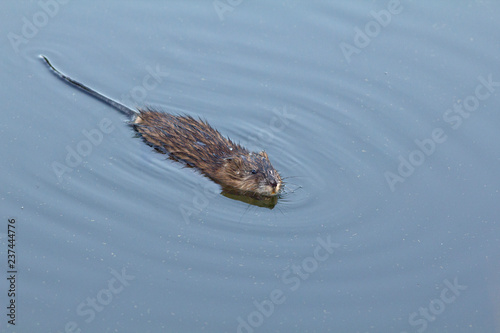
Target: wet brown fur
[[199, 145]]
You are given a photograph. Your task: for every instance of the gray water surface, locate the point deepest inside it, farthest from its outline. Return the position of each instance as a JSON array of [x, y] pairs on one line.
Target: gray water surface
[[382, 115]]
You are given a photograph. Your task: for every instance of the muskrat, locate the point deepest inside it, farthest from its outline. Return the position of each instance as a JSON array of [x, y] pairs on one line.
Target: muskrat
[[197, 144]]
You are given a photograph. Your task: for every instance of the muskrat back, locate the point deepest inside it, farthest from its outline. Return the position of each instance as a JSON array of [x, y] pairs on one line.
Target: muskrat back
[[197, 144]]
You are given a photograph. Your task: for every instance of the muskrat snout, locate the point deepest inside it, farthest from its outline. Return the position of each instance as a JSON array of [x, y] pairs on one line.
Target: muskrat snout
[[252, 173], [269, 180]]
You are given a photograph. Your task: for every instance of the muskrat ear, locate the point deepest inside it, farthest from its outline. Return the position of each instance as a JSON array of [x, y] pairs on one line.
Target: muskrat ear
[[264, 154]]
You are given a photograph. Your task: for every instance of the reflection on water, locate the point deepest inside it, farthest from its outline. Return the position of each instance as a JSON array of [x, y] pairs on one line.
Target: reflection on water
[[256, 200]]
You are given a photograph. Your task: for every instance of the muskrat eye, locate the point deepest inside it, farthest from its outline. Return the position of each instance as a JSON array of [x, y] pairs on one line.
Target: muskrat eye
[[253, 171]]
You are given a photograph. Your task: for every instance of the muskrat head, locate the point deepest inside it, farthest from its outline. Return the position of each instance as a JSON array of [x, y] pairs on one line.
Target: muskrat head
[[253, 173]]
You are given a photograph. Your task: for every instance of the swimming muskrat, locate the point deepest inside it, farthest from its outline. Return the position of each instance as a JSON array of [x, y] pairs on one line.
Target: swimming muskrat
[[197, 144]]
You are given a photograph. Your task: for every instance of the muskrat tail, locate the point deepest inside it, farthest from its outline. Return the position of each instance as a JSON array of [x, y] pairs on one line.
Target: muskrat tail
[[117, 105]]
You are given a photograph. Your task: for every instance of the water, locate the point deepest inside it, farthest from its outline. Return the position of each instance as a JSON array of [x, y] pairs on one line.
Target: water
[[384, 118]]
